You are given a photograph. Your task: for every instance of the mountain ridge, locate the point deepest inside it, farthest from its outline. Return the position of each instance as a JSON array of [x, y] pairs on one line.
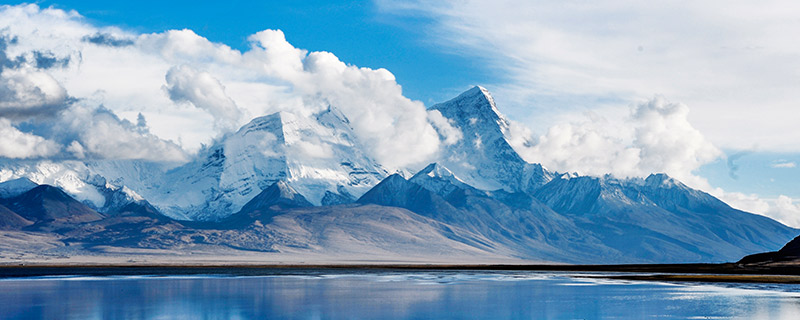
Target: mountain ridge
[[280, 178]]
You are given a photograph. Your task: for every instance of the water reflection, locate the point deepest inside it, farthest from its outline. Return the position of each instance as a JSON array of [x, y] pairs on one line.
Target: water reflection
[[435, 295]]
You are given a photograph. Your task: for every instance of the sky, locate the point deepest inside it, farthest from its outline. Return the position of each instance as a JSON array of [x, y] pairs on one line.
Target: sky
[[706, 92]]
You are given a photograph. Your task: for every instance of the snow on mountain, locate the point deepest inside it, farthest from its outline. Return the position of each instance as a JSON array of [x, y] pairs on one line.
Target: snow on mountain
[[13, 188], [318, 156], [439, 180], [49, 208], [660, 219], [479, 196], [103, 185], [118, 198], [673, 195], [70, 176], [483, 158], [527, 229], [279, 193]]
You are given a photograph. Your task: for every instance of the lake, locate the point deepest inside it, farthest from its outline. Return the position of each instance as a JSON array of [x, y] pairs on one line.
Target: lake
[[343, 294]]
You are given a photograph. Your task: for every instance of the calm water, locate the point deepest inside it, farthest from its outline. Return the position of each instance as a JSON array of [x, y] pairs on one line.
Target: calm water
[[382, 295]]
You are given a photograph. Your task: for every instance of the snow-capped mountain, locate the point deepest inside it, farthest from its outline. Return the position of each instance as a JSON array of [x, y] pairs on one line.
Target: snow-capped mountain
[[653, 219], [49, 208], [318, 156], [279, 193], [440, 180], [659, 217], [525, 229], [483, 157], [103, 185], [282, 178], [15, 187]]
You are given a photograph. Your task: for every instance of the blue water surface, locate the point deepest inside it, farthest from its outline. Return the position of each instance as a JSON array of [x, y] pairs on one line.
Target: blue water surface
[[388, 295]]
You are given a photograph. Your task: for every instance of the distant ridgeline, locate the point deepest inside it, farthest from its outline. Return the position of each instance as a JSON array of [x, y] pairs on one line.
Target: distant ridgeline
[[255, 190]]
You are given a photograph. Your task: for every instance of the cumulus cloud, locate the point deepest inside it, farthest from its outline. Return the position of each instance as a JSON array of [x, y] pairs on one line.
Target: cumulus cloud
[[35, 62], [668, 142], [76, 149], [98, 133], [448, 133], [783, 208], [184, 84], [656, 137], [786, 210], [26, 93], [16, 144]]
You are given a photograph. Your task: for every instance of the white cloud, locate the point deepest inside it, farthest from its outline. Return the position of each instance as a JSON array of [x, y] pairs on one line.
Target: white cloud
[[26, 93], [746, 202], [128, 73], [786, 210], [734, 62], [668, 142], [655, 137], [783, 164], [783, 208], [99, 133], [21, 145], [38, 58], [186, 84], [447, 132], [76, 149]]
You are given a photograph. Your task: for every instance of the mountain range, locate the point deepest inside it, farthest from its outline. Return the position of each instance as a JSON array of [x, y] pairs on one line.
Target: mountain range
[[285, 183]]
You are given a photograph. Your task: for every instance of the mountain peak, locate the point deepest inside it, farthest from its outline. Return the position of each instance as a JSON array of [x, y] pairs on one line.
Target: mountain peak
[[434, 170], [272, 123], [483, 158], [48, 203], [13, 188], [438, 179], [475, 102], [662, 180], [317, 154], [279, 193], [263, 121], [283, 190]]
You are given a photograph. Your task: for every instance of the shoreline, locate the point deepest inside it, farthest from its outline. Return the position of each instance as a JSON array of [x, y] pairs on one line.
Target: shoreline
[[692, 273]]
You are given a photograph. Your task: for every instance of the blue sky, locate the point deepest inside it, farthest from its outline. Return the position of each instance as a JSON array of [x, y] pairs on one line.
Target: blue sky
[[705, 91], [765, 173]]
